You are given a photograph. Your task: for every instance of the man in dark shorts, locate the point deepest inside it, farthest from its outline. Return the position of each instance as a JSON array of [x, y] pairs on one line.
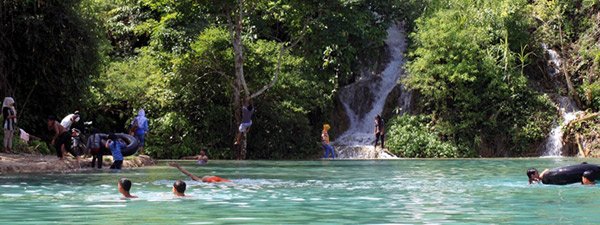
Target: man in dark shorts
[[379, 131], [61, 138]]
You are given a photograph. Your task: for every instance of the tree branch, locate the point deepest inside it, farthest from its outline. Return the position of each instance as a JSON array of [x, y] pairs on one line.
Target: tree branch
[[279, 58]]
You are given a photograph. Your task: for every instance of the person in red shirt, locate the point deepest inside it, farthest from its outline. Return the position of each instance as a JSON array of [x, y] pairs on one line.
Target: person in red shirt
[[206, 179]]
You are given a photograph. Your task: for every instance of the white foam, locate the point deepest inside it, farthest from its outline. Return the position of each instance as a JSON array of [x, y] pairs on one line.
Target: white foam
[[362, 125]]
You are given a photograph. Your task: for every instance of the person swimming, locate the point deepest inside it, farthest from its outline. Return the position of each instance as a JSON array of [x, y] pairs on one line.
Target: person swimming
[[206, 179], [202, 159], [179, 188], [565, 175], [124, 186], [588, 178]]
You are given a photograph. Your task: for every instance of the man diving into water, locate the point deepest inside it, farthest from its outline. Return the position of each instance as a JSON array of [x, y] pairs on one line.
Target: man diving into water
[[206, 179]]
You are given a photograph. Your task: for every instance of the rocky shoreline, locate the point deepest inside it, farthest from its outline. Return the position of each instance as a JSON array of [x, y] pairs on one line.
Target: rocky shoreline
[[37, 163]]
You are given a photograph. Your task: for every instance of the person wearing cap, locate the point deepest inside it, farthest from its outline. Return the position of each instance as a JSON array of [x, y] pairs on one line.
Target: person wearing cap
[[70, 119]]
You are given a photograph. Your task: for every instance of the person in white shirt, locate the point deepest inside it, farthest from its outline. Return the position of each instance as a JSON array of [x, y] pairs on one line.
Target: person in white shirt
[[69, 120]]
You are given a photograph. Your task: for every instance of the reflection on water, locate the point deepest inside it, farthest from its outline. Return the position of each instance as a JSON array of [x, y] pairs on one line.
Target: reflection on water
[[300, 192]]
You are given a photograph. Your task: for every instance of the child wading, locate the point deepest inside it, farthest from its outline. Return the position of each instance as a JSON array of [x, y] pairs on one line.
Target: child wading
[[115, 146]]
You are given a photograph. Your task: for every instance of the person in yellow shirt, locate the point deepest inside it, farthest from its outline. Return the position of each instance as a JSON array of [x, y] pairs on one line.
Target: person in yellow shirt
[[325, 142]]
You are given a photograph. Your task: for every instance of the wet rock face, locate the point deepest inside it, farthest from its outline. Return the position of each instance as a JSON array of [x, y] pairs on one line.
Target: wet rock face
[[362, 96], [362, 100]]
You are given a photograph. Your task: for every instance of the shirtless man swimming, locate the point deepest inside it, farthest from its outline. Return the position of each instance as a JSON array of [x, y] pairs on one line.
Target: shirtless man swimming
[[206, 179]]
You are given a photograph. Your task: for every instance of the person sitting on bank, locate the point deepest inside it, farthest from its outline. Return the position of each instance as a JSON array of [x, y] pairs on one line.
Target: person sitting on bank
[[247, 111], [61, 139], [206, 179], [179, 188], [124, 186], [115, 145]]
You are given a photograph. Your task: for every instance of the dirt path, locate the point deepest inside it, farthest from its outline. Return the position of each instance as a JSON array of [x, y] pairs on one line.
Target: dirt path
[[35, 163]]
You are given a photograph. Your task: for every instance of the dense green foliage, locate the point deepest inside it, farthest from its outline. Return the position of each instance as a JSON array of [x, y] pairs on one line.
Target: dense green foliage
[[48, 57], [477, 68], [175, 59], [412, 136], [467, 62]]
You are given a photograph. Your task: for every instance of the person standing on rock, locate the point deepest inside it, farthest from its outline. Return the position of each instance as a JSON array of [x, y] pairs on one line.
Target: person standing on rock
[[325, 142], [9, 113], [139, 128], [379, 131]]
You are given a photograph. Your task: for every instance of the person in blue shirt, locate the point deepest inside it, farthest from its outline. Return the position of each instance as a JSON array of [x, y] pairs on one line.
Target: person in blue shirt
[[139, 128], [115, 145]]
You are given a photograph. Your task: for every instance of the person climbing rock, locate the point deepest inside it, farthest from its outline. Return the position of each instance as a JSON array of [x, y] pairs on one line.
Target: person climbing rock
[[247, 112], [379, 131], [9, 113], [325, 142]]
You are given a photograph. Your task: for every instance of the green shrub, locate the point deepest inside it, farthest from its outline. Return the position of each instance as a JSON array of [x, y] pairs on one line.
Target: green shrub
[[410, 136], [170, 137], [20, 146]]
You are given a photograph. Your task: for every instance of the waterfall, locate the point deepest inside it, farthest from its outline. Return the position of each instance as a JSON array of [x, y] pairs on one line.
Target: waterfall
[[568, 111], [566, 106], [366, 98]]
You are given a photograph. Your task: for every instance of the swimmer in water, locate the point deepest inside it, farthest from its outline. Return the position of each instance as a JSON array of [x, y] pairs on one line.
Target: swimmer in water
[[534, 176], [206, 179], [588, 178], [202, 159], [179, 188], [124, 185], [584, 173]]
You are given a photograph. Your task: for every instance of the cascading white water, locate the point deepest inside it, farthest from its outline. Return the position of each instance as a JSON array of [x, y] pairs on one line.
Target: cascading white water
[[566, 106], [366, 98], [569, 112]]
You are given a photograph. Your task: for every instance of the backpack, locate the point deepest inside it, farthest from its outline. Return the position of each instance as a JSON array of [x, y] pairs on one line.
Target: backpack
[[134, 127]]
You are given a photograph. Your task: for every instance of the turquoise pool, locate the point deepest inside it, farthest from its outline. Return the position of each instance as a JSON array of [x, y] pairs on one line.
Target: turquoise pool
[[469, 191]]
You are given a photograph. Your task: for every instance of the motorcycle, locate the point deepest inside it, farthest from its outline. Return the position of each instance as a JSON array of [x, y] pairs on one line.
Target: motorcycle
[[79, 139]]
